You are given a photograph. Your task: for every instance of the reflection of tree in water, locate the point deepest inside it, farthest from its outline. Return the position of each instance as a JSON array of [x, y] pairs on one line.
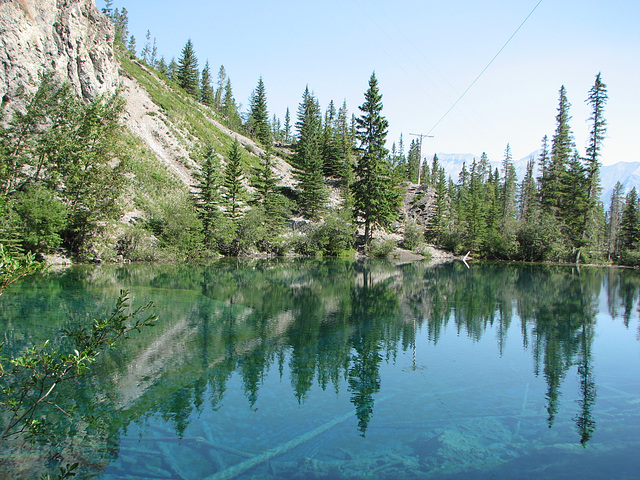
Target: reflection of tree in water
[[373, 305], [328, 320]]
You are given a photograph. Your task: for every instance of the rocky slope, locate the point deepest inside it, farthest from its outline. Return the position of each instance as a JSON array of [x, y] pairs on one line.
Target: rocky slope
[[70, 37]]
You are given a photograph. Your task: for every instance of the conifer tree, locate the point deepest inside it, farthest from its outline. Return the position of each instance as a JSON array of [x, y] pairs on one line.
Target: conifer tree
[[229, 107], [562, 147], [146, 50], [207, 196], [331, 161], [258, 122], [154, 53], [528, 193], [614, 219], [592, 217], [287, 126], [508, 187], [630, 223], [162, 66], [108, 9], [187, 72], [206, 89], [233, 191], [121, 23], [308, 157], [597, 99], [345, 141], [172, 70], [131, 46], [413, 161], [221, 84], [375, 190]]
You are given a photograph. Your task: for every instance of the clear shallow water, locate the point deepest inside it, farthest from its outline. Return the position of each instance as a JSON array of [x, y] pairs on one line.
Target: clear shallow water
[[335, 369]]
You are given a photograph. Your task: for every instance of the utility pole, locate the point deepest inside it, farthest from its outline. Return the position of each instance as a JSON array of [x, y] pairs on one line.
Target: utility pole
[[421, 135]]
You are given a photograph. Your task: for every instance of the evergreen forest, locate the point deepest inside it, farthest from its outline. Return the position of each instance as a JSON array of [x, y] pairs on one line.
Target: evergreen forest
[[71, 172]]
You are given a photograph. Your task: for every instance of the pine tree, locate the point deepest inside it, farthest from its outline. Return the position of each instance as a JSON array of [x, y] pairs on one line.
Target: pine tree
[[146, 50], [508, 188], [222, 82], [108, 9], [591, 218], [162, 67], [206, 89], [413, 161], [233, 191], [614, 219], [172, 70], [154, 53], [630, 223], [345, 142], [131, 46], [258, 123], [375, 190], [528, 193], [562, 147], [308, 157], [287, 126], [121, 24], [229, 107], [207, 196], [330, 148], [187, 72]]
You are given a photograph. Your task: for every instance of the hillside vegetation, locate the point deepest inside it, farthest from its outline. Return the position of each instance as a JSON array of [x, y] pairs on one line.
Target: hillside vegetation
[[191, 176]]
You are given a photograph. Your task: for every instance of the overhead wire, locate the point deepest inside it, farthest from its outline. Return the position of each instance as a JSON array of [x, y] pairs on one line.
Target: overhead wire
[[484, 69]]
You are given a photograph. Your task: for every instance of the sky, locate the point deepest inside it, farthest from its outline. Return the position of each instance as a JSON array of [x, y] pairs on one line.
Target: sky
[[425, 54]]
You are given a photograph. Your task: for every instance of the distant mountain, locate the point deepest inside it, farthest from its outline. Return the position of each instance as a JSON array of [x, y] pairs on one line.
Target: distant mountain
[[627, 173]]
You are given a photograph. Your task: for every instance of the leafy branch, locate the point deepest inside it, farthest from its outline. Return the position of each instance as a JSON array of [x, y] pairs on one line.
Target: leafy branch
[[29, 380]]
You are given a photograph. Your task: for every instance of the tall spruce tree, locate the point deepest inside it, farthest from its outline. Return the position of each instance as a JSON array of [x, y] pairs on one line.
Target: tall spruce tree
[[229, 107], [233, 191], [206, 89], [614, 218], [508, 196], [630, 223], [187, 72], [592, 216], [375, 190], [258, 122], [207, 195], [331, 161], [308, 159], [528, 194], [287, 126], [562, 147]]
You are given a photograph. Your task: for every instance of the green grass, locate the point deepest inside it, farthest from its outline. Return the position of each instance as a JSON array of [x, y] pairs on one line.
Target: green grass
[[187, 117]]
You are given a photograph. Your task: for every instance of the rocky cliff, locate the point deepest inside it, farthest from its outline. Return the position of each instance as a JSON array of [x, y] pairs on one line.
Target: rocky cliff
[[70, 37]]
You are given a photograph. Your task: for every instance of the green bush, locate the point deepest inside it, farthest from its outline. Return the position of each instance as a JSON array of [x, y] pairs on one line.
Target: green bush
[[413, 235], [381, 248], [335, 236], [630, 258], [42, 217]]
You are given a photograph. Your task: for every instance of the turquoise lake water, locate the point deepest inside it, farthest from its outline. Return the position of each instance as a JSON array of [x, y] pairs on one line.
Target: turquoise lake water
[[335, 369]]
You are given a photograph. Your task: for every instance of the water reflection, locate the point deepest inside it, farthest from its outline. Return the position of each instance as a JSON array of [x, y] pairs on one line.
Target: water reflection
[[325, 323]]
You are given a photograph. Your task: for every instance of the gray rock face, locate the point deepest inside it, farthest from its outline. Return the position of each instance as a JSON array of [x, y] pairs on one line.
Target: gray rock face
[[70, 37]]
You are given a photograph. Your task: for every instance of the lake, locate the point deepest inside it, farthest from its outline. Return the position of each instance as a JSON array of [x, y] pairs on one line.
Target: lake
[[337, 369]]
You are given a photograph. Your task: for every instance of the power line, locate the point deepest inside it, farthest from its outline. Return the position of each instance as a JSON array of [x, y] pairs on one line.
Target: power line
[[485, 68]]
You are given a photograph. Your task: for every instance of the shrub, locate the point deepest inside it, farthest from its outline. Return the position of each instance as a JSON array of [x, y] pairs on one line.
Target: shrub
[[413, 235], [381, 248]]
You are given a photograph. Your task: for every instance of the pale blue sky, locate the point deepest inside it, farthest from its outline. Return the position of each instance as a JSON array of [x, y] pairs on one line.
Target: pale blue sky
[[425, 54]]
